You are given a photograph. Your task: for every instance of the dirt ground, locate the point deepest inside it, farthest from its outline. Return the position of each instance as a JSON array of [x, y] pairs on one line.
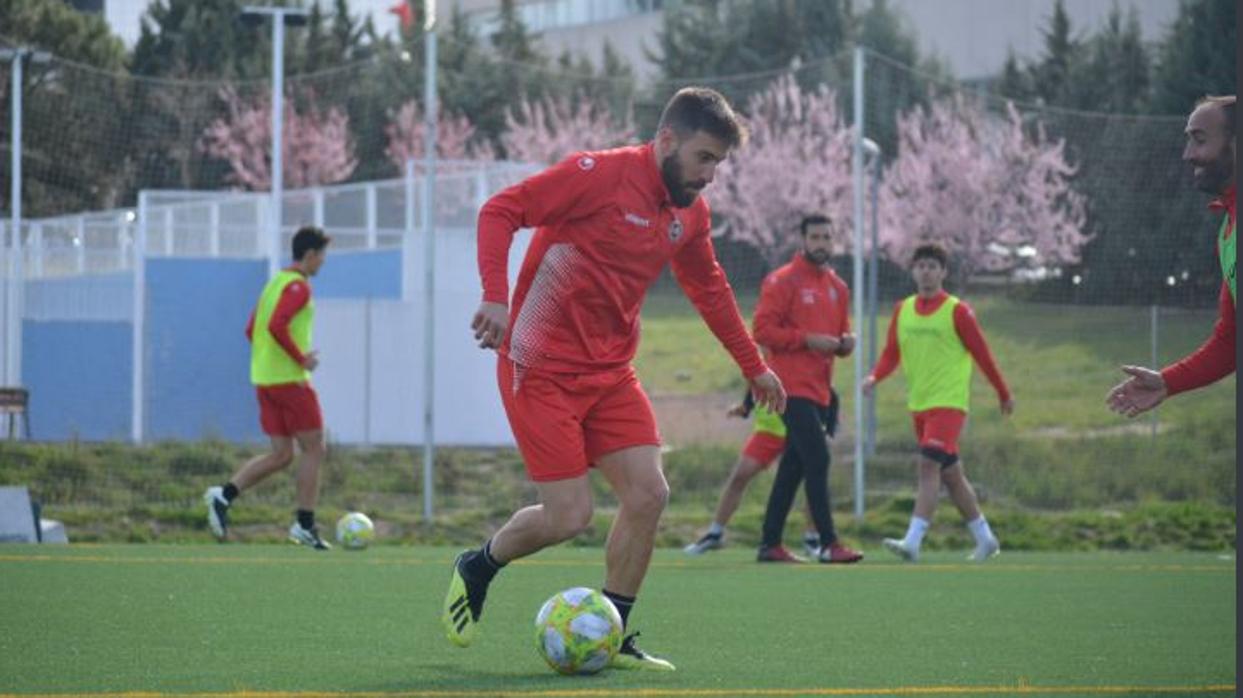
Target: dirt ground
[[689, 419]]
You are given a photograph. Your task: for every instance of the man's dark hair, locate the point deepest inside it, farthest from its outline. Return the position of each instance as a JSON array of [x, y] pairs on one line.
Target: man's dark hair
[[306, 239], [1223, 102], [703, 109], [932, 250], [810, 220]]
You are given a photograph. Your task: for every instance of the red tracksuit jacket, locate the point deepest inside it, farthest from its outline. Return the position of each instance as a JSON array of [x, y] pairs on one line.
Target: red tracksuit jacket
[[605, 228]]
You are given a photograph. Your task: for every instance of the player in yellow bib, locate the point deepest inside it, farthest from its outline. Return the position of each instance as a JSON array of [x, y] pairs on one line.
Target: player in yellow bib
[[281, 361], [765, 445], [935, 336]]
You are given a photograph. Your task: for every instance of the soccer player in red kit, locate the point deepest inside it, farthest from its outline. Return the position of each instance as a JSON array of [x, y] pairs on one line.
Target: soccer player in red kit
[[1211, 153], [606, 224]]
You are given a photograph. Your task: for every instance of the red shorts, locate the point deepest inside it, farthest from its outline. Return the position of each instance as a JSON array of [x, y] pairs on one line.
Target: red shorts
[[938, 429], [564, 422], [288, 408], [764, 448]]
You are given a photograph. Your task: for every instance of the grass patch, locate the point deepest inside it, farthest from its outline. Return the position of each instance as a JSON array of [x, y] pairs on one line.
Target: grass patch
[[207, 620]]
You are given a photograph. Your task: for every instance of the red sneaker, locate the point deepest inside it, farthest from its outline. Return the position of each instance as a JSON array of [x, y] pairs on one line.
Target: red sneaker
[[777, 553], [839, 554]]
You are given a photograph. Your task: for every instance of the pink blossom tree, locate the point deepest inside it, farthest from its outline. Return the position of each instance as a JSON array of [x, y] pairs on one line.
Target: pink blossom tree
[[316, 146], [546, 131], [997, 194], [796, 163], [406, 131]]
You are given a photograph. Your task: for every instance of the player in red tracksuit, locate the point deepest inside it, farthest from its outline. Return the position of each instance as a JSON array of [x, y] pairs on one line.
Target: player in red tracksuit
[[1211, 152], [606, 225], [803, 321]]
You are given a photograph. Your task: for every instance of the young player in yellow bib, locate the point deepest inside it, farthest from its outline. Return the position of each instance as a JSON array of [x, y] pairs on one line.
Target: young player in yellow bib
[[281, 362], [763, 448], [934, 336]]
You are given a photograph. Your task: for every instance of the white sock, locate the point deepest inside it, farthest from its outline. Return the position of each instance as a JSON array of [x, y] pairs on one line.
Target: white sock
[[979, 528], [915, 532], [716, 529]]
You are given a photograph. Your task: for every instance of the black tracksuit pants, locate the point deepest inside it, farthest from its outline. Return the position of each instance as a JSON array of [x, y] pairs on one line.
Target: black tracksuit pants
[[806, 460]]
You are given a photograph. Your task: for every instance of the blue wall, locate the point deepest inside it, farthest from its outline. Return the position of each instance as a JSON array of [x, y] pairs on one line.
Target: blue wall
[[374, 274], [79, 377], [198, 360], [197, 373]]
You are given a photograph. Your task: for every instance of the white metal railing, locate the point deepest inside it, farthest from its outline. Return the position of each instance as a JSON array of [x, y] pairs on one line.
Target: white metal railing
[[359, 215]]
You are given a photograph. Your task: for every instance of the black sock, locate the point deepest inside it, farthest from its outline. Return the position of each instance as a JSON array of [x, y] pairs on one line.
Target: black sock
[[623, 603], [230, 492], [306, 519], [479, 565]]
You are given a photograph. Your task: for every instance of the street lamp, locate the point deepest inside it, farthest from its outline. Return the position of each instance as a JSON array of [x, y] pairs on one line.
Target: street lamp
[[294, 17], [429, 255], [871, 153], [12, 306]]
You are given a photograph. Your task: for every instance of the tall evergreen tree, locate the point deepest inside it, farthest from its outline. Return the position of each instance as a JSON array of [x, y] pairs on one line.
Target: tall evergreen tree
[[74, 109], [1015, 81], [1113, 74], [1051, 76], [200, 39], [1197, 57]]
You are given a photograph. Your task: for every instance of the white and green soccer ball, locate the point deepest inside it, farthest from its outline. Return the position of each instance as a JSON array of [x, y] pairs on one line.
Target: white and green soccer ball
[[355, 531], [578, 631]]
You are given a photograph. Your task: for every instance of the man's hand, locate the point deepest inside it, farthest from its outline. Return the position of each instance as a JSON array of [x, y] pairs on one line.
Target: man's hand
[[869, 386], [1144, 390], [846, 344], [822, 343], [310, 360], [490, 324], [767, 390], [1007, 407]]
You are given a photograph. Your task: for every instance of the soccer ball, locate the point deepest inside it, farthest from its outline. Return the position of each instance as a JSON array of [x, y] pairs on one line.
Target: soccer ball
[[578, 631], [355, 531]]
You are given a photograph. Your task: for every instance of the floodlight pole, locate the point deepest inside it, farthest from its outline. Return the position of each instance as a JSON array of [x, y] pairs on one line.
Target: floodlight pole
[[12, 306], [872, 151], [857, 172], [429, 255], [294, 16]]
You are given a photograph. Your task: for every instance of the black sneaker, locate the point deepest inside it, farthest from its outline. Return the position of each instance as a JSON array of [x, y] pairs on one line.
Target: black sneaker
[[463, 603], [308, 537], [217, 512], [709, 541], [631, 657]]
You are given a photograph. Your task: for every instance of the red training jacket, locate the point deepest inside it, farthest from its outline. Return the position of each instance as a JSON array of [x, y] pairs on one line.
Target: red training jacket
[[798, 299], [1215, 358], [605, 228]]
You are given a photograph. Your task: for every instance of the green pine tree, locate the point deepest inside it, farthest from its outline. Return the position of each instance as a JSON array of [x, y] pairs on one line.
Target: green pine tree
[[75, 109], [1197, 57]]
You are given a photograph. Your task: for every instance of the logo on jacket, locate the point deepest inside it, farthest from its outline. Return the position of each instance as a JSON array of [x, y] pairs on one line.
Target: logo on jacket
[[638, 220], [586, 163], [809, 296], [675, 230], [832, 295]]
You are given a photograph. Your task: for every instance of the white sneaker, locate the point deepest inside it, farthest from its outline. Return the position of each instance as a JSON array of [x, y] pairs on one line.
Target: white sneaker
[[811, 545], [217, 511], [310, 538], [985, 550], [901, 549], [709, 541]]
